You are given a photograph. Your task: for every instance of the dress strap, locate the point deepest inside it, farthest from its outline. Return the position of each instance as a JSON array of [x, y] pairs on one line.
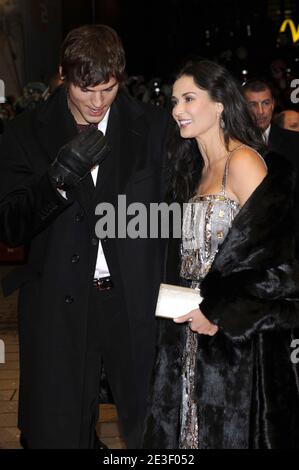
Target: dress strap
[[225, 173]]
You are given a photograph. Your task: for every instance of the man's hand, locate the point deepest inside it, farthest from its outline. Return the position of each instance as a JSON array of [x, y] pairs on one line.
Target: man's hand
[[76, 158], [198, 323]]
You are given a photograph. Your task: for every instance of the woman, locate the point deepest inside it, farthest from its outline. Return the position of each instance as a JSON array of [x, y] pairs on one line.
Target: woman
[[223, 376]]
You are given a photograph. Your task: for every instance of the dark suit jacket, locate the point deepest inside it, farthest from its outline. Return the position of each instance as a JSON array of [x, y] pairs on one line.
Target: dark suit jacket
[[55, 289], [284, 142]]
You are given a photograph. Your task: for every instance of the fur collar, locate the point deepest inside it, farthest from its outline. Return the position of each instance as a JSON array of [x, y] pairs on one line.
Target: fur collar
[[266, 218], [256, 262]]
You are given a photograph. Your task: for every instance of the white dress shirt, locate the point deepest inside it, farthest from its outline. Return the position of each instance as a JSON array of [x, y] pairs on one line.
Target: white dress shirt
[[101, 269], [266, 134]]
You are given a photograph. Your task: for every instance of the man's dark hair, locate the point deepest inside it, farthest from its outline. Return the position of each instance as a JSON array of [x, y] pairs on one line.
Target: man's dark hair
[[92, 54], [256, 85]]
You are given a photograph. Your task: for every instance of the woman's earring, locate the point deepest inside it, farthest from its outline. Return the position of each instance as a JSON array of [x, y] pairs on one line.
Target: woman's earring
[[222, 123]]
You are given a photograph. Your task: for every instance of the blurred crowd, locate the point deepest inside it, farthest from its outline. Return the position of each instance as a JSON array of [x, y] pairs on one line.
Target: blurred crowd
[[157, 91]]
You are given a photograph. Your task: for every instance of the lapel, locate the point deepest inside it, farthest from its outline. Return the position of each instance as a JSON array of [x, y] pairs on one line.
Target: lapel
[[55, 127], [275, 138], [126, 134]]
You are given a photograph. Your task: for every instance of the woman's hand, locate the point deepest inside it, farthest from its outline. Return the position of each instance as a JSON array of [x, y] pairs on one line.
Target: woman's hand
[[198, 323]]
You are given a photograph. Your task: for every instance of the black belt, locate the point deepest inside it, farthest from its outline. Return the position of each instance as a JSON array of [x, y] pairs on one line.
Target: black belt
[[103, 283]]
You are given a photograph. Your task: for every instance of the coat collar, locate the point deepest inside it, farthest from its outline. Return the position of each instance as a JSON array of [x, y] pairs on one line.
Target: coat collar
[[275, 137], [126, 133], [55, 123], [56, 127]]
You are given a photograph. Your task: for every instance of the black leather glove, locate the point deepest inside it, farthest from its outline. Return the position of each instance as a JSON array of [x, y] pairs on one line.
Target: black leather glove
[[76, 158]]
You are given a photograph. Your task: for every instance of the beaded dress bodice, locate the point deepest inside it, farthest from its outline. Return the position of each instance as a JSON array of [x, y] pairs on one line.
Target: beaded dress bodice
[[206, 222]]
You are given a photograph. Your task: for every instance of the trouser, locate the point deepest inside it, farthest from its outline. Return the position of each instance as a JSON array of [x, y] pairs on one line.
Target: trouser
[[109, 343]]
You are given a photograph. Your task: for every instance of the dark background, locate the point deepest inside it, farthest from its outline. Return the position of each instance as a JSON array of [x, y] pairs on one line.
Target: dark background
[[158, 35]]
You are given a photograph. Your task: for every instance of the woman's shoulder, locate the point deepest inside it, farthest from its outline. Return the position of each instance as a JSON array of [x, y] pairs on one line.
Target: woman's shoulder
[[247, 170], [245, 158]]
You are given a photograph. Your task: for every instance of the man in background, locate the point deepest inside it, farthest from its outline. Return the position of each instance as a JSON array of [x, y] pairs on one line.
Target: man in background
[[261, 104], [259, 96], [288, 119]]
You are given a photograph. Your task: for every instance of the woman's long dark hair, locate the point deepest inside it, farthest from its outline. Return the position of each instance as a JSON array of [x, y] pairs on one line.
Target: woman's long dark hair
[[185, 160]]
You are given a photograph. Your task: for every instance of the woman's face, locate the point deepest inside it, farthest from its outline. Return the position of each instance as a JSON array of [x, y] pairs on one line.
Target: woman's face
[[193, 110]]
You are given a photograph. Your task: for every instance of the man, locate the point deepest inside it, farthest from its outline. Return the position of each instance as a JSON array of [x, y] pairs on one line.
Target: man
[[288, 119], [261, 103], [260, 100], [83, 303]]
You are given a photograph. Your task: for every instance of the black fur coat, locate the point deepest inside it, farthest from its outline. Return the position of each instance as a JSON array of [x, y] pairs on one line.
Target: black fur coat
[[247, 387]]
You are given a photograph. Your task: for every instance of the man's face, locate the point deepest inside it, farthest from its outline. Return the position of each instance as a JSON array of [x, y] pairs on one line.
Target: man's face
[[291, 120], [261, 107], [89, 105]]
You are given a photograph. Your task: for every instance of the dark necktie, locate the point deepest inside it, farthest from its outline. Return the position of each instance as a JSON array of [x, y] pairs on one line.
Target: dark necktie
[[84, 127]]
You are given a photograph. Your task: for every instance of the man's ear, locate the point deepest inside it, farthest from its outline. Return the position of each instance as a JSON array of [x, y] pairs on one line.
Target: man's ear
[[60, 73]]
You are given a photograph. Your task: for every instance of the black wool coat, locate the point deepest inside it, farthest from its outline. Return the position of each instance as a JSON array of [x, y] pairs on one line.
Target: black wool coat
[[283, 142], [56, 282], [247, 387]]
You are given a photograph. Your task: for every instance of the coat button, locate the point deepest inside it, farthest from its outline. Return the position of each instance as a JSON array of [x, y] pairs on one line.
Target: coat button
[[94, 241], [79, 217], [69, 299], [75, 259]]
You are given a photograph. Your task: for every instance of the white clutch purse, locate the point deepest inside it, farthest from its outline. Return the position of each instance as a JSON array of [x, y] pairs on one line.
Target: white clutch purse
[[176, 301]]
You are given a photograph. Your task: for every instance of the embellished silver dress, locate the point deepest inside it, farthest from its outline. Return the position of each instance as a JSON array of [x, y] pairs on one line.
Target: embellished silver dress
[[207, 220]]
